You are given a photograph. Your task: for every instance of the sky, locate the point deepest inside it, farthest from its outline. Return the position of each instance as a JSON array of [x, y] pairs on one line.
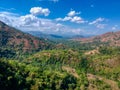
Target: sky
[[62, 17]]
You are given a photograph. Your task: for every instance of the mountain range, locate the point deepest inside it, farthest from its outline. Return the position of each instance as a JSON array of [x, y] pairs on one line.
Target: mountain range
[[53, 36]]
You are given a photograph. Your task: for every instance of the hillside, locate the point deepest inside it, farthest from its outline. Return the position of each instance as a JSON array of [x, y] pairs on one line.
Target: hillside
[[63, 70], [112, 38], [14, 39], [65, 65]]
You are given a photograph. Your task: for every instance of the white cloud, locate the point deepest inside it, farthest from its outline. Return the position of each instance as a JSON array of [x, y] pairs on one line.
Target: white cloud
[[71, 16], [115, 27], [67, 18], [27, 22], [73, 13], [77, 19], [98, 23], [8, 18], [40, 11], [30, 22], [7, 9], [59, 19], [64, 19]]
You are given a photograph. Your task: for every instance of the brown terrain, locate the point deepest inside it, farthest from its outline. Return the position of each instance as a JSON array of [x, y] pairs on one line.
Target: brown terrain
[[16, 39], [113, 38]]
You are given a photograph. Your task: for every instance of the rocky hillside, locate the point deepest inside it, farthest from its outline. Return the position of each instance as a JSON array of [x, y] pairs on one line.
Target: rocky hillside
[[112, 38], [13, 38]]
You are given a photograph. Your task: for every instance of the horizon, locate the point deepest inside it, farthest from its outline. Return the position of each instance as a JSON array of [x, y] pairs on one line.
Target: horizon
[[80, 17]]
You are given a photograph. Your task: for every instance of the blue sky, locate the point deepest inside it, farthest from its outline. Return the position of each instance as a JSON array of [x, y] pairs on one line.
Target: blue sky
[[62, 17]]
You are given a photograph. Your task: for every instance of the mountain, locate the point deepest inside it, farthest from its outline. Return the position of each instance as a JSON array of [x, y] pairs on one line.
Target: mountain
[[111, 38], [42, 35], [54, 36], [14, 39]]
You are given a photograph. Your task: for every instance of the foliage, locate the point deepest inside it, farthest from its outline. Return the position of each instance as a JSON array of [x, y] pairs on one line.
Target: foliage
[[30, 63]]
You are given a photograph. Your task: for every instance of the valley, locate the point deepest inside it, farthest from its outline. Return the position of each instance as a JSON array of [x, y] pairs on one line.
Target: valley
[[30, 62]]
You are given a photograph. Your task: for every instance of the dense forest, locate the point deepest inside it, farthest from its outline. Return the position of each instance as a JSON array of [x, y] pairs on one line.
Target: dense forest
[[56, 65]]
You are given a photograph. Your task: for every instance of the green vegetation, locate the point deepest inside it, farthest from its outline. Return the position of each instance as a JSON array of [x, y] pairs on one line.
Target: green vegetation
[[30, 63], [37, 75], [61, 70]]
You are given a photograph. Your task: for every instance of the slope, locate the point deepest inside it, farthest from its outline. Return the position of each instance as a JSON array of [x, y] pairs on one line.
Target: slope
[[110, 38], [12, 38]]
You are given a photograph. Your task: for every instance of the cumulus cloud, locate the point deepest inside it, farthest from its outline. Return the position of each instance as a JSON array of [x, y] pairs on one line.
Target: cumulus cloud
[[73, 13], [26, 22], [71, 16], [77, 19], [40, 11], [98, 23], [30, 22]]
